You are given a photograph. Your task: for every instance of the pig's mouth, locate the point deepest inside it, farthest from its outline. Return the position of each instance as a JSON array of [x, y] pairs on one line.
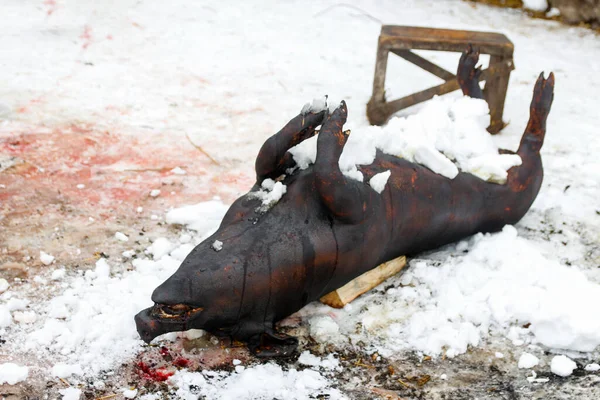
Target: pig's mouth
[[174, 312]]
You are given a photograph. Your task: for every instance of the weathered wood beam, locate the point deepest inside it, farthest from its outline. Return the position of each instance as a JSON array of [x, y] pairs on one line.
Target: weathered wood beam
[[424, 64]]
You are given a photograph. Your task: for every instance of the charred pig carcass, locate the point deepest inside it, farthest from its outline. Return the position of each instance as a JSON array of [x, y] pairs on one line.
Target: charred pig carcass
[[328, 229]]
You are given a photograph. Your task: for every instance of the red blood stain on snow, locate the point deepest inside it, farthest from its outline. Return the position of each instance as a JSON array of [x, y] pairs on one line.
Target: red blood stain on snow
[[164, 352], [153, 374], [118, 172], [181, 362]]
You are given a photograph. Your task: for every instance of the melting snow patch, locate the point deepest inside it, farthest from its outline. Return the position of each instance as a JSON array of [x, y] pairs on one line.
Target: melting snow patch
[[562, 365], [445, 136], [12, 373], [155, 192]]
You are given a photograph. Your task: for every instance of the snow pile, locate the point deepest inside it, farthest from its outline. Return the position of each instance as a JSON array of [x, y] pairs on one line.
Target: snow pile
[[445, 136], [12, 373], [501, 284], [267, 381]]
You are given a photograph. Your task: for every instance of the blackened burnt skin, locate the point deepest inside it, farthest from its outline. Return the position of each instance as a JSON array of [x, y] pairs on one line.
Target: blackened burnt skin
[[327, 229]]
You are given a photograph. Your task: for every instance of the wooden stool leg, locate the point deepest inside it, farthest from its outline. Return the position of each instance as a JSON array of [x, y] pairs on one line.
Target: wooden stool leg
[[376, 106], [495, 90]]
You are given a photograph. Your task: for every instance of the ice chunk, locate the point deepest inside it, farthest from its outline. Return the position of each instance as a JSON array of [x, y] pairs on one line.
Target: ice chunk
[[562, 365], [528, 361], [46, 258]]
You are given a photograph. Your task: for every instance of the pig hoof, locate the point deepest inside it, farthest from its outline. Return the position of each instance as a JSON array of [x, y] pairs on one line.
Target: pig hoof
[[468, 73], [543, 95], [272, 345]]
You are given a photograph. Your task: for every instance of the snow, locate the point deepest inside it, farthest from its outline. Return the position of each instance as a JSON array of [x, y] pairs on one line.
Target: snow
[[562, 366], [328, 363], [535, 5], [130, 393], [81, 186], [554, 12], [446, 135], [121, 236], [502, 282], [498, 355], [592, 367], [528, 360], [217, 245], [62, 370], [264, 381], [270, 193], [87, 321], [154, 192], [178, 171], [201, 217], [70, 393], [6, 318], [4, 285], [25, 317], [46, 258], [12, 373], [58, 274], [160, 247], [378, 181], [316, 106]]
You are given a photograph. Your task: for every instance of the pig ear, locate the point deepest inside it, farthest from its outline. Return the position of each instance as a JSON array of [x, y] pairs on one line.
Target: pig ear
[[273, 159], [345, 198]]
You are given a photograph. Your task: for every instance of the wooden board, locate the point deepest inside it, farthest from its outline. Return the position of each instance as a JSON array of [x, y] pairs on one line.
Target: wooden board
[[367, 281]]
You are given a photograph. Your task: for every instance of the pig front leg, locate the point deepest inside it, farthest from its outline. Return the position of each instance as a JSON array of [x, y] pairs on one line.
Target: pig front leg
[[273, 158], [468, 73], [272, 344]]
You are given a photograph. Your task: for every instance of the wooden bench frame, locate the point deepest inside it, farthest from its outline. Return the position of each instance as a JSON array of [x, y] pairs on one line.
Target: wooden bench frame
[[400, 40]]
